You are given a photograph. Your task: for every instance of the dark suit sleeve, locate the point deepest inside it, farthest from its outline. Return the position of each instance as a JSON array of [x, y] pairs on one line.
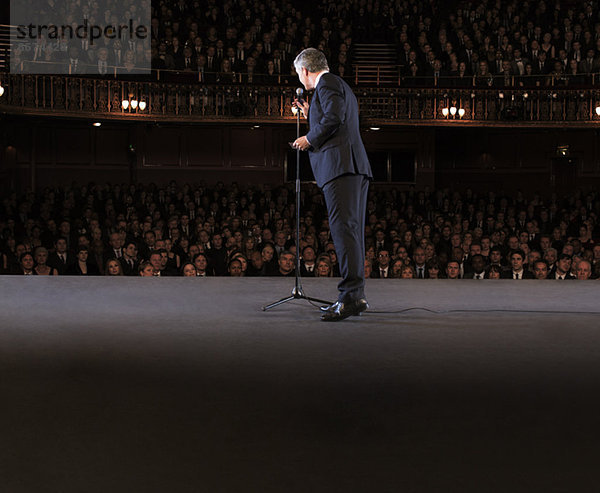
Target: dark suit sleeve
[[333, 109]]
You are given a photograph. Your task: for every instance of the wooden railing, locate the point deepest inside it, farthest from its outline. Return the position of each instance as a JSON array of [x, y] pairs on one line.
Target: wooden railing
[[102, 99]]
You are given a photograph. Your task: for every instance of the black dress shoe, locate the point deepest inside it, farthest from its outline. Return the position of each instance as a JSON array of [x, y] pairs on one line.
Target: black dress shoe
[[339, 310], [361, 304]]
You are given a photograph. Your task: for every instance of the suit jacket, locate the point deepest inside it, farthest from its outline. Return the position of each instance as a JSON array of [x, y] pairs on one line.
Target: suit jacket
[[552, 275], [304, 272], [337, 147], [508, 274], [127, 269], [62, 267]]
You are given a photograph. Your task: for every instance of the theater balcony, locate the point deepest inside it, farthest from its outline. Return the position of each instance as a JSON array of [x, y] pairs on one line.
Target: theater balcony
[[177, 97]]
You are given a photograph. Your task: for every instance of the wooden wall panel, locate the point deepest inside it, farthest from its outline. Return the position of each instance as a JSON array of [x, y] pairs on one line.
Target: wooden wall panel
[[162, 146], [111, 146], [248, 147], [204, 147], [44, 145], [73, 145]]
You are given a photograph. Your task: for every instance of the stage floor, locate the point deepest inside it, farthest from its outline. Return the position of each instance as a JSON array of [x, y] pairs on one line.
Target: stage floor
[[185, 385]]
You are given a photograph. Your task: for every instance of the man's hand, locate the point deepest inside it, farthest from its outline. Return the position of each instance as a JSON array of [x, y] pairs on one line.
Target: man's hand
[[302, 105], [302, 143]]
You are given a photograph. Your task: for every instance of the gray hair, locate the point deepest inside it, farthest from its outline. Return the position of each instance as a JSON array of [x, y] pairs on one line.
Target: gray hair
[[312, 60]]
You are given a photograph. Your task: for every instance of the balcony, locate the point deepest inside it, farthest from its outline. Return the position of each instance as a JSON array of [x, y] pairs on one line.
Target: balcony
[[184, 99]]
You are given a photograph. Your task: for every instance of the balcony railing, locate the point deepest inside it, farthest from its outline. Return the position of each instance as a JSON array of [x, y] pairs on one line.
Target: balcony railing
[[102, 98]]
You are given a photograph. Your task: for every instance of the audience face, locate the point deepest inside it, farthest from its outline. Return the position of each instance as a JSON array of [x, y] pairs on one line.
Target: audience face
[[27, 262], [267, 253], [584, 270], [147, 271], [453, 270], [82, 256], [235, 268], [323, 269], [61, 246], [156, 261], [200, 263], [286, 263], [113, 268], [407, 272], [540, 270], [516, 260], [563, 265], [384, 259]]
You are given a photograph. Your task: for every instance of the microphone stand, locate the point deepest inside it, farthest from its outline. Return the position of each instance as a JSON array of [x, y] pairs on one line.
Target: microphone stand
[[297, 291]]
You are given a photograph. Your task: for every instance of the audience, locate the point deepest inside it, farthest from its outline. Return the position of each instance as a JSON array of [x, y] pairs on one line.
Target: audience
[[233, 231], [448, 43]]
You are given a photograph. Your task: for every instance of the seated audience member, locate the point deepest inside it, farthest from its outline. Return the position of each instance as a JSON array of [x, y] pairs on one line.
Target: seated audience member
[[584, 270], [286, 264], [243, 261], [307, 263], [323, 268], [82, 267], [188, 270], [113, 268], [129, 260], [419, 258], [561, 271], [235, 268], [369, 268], [477, 267], [165, 268], [382, 270], [433, 269], [61, 259], [407, 272], [156, 262], [453, 270], [26, 264], [540, 269], [493, 272], [201, 264], [41, 269], [268, 258], [551, 256], [145, 269], [257, 266], [335, 267], [517, 271], [396, 269]]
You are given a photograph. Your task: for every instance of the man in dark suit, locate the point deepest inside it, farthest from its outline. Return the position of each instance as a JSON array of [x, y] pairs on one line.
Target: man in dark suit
[[61, 259], [341, 168], [128, 260], [517, 257]]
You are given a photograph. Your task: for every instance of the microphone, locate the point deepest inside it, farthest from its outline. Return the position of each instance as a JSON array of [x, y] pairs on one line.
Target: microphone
[[299, 94]]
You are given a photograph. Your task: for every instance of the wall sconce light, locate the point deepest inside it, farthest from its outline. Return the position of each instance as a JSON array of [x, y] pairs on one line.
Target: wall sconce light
[[598, 110], [445, 112], [453, 110], [461, 112], [132, 104]]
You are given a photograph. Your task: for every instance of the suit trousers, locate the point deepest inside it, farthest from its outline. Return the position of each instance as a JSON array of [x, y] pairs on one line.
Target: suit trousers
[[346, 200]]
